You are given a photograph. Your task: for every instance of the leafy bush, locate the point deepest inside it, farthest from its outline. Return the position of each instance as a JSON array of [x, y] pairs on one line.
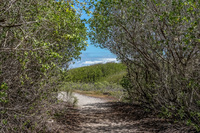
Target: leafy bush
[[38, 39], [159, 43]]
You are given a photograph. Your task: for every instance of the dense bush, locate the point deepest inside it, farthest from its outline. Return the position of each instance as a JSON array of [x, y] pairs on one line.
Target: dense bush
[[37, 40], [160, 44]]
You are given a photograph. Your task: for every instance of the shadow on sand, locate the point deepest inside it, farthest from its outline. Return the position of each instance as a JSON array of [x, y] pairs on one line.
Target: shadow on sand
[[121, 118]]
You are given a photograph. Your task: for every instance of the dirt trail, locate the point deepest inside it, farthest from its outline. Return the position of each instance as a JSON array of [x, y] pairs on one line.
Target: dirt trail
[[101, 116]]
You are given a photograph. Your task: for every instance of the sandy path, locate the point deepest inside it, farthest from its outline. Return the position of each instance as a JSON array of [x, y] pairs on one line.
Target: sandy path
[[97, 115], [101, 116], [86, 101], [83, 101]]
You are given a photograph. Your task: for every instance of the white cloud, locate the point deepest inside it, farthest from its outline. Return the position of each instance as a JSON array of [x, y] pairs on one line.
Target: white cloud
[[103, 60], [110, 60], [91, 62]]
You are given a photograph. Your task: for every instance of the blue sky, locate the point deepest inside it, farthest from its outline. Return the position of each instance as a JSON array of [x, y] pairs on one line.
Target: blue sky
[[93, 55]]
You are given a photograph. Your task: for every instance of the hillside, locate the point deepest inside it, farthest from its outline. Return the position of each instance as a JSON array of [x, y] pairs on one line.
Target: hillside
[[110, 72]]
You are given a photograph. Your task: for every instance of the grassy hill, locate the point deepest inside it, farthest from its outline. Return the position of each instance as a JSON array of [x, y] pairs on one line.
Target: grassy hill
[[98, 80], [110, 72]]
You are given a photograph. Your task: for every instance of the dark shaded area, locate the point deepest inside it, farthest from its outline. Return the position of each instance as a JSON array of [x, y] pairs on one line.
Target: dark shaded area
[[116, 117], [147, 121], [65, 118]]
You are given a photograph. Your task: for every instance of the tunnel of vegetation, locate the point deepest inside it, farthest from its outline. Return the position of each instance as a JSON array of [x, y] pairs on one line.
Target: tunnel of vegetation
[[157, 40]]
